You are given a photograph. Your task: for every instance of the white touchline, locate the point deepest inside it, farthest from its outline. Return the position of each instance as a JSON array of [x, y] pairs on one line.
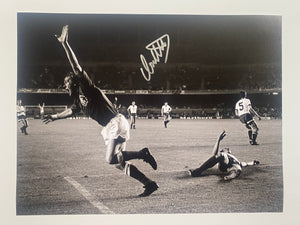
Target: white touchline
[[102, 208]]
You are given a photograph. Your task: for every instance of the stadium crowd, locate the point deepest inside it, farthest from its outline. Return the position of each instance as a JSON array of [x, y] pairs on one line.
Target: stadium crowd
[[175, 77], [119, 76]]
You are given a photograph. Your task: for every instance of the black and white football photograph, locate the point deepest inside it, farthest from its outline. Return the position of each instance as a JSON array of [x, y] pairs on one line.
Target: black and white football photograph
[[149, 114]]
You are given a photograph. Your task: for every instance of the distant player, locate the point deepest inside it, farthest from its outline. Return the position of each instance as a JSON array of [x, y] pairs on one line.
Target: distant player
[[94, 103], [165, 112], [21, 116], [227, 162], [116, 104], [132, 111], [42, 111], [245, 112]]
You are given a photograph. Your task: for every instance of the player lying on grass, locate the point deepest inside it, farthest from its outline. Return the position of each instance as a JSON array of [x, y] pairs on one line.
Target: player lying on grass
[[94, 103], [227, 162], [245, 112]]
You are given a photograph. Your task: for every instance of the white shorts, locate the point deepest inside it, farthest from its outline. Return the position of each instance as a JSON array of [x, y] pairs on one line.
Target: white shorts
[[117, 126]]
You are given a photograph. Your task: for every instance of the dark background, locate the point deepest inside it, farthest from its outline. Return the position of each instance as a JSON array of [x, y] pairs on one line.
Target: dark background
[[215, 54], [206, 52]]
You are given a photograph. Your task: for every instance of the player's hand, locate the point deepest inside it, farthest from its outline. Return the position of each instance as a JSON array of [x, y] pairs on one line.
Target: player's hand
[[255, 162], [48, 119], [222, 135]]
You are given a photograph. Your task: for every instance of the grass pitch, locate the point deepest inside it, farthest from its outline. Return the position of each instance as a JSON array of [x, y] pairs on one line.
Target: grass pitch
[[61, 169]]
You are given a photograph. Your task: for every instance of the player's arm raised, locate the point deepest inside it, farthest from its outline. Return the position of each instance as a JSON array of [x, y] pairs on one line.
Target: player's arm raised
[[216, 147], [63, 39], [62, 115], [253, 112]]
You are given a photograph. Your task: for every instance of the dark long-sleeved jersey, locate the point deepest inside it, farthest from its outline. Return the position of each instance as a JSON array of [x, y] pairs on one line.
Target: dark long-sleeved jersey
[[92, 101]]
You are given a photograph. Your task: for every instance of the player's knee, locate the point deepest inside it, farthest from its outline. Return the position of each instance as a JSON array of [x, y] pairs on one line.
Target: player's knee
[[115, 159], [253, 127]]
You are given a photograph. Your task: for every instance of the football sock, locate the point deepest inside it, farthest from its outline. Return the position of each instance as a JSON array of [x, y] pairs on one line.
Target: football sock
[[206, 165], [25, 132], [138, 175], [254, 136], [130, 155], [250, 134]]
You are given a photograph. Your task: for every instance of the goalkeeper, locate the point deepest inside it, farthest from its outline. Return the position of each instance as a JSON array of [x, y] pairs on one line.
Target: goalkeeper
[[227, 162], [94, 103]]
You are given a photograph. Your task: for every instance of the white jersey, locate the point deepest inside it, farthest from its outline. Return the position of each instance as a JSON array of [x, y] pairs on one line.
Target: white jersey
[[243, 106], [166, 109], [132, 109], [21, 111], [41, 109]]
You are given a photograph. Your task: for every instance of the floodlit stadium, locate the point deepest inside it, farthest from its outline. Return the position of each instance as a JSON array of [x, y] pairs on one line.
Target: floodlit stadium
[[198, 64]]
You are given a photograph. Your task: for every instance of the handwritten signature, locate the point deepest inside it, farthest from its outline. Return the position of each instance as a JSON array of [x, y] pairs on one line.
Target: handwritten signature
[[157, 49]]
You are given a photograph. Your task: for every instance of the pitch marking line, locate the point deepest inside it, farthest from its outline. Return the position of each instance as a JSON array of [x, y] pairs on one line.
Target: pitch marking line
[[101, 207]]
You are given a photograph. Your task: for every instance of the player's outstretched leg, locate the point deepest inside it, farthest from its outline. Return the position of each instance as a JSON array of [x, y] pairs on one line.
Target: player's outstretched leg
[[149, 185], [206, 165]]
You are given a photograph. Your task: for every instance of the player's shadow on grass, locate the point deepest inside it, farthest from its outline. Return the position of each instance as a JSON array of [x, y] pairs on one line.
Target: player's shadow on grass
[[210, 172], [129, 197], [261, 144]]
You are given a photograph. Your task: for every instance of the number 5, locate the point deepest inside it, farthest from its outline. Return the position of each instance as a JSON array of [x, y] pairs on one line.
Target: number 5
[[241, 106]]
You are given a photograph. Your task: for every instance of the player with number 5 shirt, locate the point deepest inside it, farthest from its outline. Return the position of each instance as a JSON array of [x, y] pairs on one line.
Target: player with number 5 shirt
[[245, 112]]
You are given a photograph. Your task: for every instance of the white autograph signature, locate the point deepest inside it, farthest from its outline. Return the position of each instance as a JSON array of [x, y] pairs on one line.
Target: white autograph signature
[[156, 48]]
